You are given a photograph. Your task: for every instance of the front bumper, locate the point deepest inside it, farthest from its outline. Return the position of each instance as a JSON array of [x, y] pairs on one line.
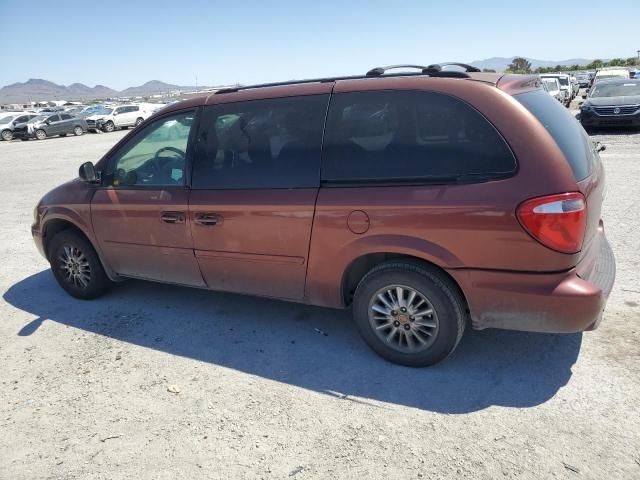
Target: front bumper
[[589, 118], [565, 302], [23, 134], [38, 239], [95, 124]]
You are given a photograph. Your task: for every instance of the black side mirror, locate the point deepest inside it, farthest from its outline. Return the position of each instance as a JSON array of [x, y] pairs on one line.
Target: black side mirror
[[600, 147], [88, 173]]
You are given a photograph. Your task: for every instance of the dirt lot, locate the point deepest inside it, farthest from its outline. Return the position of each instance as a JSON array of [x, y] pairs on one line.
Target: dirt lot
[[85, 387]]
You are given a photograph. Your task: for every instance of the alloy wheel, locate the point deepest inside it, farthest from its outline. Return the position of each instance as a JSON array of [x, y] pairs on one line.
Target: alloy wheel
[[403, 318], [74, 266]]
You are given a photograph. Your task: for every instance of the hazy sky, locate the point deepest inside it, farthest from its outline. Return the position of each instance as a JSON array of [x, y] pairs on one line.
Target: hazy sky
[[124, 43]]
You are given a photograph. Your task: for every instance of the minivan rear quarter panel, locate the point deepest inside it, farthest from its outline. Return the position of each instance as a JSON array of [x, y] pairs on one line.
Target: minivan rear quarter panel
[[470, 226]]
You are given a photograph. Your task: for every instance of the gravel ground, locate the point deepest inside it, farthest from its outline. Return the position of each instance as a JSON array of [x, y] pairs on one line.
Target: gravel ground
[[161, 382]]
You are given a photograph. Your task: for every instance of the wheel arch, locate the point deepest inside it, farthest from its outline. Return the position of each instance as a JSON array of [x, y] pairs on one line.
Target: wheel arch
[[56, 225], [361, 265]]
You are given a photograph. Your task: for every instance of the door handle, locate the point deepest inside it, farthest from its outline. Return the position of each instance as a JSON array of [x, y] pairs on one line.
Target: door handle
[[172, 217], [208, 219]]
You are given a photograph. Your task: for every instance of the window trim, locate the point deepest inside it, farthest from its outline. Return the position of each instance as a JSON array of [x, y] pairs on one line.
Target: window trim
[[414, 181], [135, 134]]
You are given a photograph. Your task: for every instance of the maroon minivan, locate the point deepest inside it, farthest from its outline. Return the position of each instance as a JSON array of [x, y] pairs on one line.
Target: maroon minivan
[[423, 201]]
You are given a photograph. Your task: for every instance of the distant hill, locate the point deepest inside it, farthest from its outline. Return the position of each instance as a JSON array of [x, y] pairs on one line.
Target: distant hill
[[36, 89], [501, 63]]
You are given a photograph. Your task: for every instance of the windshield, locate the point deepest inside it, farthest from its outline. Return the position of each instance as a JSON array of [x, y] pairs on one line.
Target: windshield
[[616, 90], [7, 119], [104, 111], [564, 81], [551, 85], [39, 118]]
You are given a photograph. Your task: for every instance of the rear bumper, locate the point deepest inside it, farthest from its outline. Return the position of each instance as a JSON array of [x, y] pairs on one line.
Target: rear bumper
[[565, 302]]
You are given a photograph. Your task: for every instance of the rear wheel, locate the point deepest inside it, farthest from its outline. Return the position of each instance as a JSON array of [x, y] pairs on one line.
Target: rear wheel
[[7, 135], [109, 126], [77, 131], [409, 313], [76, 266], [41, 134]]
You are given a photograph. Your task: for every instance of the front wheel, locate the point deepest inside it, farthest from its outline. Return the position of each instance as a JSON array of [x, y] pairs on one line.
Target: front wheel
[[138, 122], [109, 126], [77, 131], [7, 135], [76, 266], [409, 313], [41, 134]]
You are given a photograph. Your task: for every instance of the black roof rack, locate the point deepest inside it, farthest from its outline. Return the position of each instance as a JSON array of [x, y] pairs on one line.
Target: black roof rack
[[434, 70]]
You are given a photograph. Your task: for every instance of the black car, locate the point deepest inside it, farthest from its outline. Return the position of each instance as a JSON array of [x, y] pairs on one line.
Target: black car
[[612, 102], [48, 125]]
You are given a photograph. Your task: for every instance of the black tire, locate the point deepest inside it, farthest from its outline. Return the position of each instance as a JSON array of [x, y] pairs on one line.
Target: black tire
[[442, 294], [109, 126], [97, 282], [41, 134], [77, 130], [7, 135]]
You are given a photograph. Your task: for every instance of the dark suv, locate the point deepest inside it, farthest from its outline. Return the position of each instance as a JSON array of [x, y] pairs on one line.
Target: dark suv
[[423, 201], [48, 125]]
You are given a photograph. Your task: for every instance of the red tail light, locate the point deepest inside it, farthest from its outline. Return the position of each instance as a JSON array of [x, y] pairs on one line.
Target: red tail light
[[556, 221]]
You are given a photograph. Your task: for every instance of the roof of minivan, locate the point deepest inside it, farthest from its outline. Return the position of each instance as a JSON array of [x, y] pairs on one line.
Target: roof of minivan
[[509, 83]]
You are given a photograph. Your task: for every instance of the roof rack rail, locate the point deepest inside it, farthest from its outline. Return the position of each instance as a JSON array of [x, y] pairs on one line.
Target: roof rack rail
[[467, 68], [434, 70], [376, 72]]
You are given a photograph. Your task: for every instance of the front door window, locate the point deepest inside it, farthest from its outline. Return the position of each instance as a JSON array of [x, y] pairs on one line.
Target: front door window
[[156, 157]]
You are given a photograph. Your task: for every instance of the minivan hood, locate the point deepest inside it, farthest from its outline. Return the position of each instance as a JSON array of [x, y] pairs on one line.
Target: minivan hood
[[96, 116], [602, 101]]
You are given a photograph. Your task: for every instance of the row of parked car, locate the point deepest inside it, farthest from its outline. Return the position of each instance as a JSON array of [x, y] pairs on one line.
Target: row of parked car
[[75, 120], [564, 87]]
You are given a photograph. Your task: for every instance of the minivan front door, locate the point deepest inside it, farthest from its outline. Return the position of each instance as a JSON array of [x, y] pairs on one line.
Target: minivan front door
[[254, 186], [140, 214]]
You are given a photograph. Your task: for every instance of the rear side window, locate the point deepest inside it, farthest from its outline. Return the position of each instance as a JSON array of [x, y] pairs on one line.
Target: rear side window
[[565, 130], [388, 136], [272, 143]]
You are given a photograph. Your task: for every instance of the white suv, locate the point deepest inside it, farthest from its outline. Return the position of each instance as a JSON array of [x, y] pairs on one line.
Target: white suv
[[122, 116]]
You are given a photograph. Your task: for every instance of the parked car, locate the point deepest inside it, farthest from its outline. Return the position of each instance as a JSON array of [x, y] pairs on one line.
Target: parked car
[[8, 123], [48, 125], [565, 86], [552, 86], [611, 72], [123, 116], [91, 110], [612, 102], [575, 86], [420, 200], [583, 80]]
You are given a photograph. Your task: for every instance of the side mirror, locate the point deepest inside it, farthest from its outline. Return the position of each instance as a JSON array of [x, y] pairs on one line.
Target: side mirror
[[88, 173], [600, 147], [115, 113]]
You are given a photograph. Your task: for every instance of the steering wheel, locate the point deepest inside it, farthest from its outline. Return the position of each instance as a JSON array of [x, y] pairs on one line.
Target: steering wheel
[[175, 150]]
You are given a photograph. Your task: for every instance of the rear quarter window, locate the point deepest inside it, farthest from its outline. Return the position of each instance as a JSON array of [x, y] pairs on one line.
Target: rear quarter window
[[564, 128], [413, 136]]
